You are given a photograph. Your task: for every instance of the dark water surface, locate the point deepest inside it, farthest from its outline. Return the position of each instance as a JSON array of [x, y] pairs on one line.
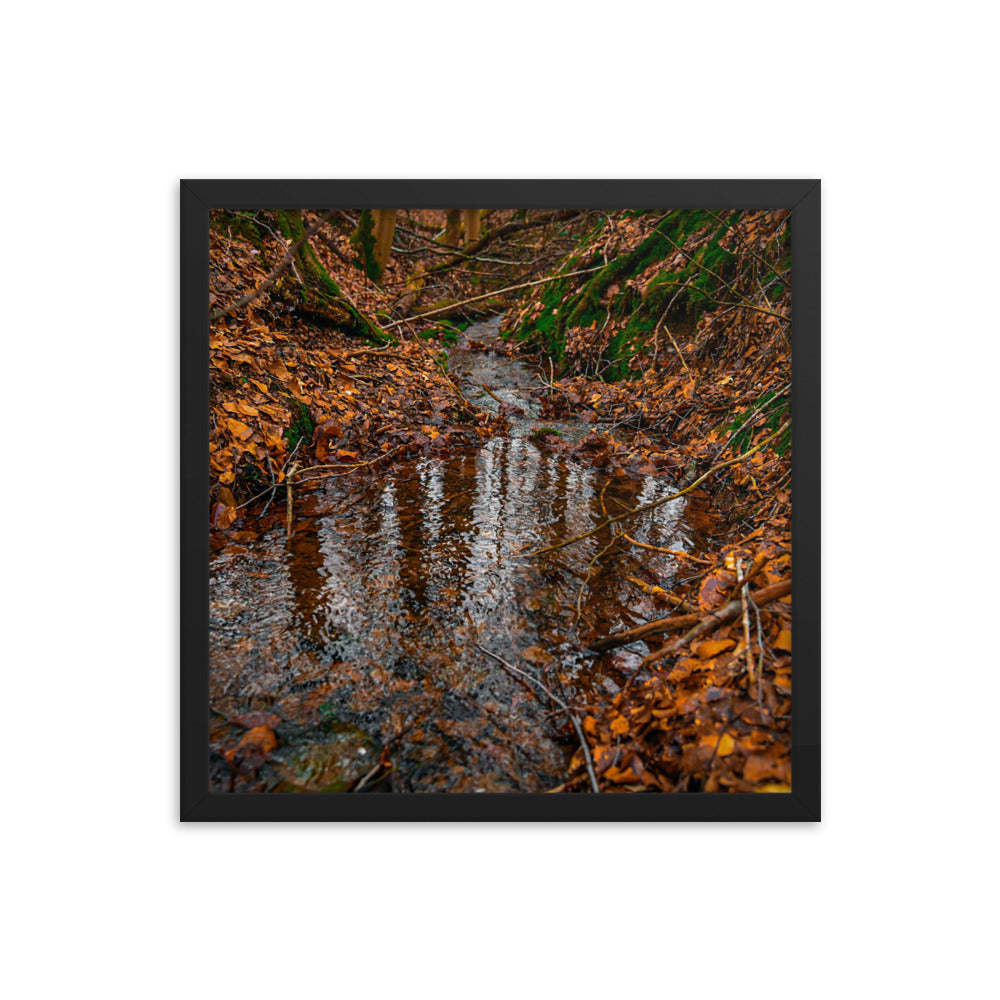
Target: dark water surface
[[360, 634]]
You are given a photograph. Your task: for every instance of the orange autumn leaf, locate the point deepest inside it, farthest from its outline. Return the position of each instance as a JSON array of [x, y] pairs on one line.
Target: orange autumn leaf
[[726, 745], [602, 756], [255, 747], [273, 438], [784, 640], [238, 428], [619, 725], [711, 647], [261, 738]]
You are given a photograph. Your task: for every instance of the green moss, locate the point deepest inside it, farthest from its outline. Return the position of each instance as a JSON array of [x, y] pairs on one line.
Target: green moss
[[542, 432], [689, 281], [770, 410], [302, 425], [444, 331], [363, 242], [319, 293], [242, 224]]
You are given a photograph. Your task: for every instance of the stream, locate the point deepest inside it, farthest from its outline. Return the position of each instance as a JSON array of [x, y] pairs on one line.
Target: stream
[[357, 641]]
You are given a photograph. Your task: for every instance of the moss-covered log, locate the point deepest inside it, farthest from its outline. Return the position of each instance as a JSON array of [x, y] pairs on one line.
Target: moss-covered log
[[318, 292]]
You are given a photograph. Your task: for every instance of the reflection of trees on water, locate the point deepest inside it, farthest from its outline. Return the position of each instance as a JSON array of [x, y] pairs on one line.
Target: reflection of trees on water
[[414, 537], [307, 574], [430, 537]]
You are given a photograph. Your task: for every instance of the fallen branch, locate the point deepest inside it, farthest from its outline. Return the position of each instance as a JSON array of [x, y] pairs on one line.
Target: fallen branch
[[762, 596], [492, 393], [511, 227], [744, 597], [488, 295], [288, 499], [274, 274], [556, 701], [720, 617], [347, 468], [664, 595], [680, 553]]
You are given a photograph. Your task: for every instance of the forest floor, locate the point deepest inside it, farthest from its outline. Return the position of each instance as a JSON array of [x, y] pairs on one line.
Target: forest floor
[[664, 335]]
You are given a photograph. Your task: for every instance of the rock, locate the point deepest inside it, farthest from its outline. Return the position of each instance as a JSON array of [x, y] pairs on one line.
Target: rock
[[331, 761]]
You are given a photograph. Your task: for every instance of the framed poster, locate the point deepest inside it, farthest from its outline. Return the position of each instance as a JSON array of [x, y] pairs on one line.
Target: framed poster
[[487, 514]]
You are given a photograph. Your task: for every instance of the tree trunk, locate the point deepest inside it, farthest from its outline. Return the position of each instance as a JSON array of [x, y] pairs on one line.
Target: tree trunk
[[471, 225], [385, 227], [319, 292], [453, 227]]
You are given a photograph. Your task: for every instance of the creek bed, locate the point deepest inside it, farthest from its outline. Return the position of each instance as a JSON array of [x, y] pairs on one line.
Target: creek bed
[[359, 637]]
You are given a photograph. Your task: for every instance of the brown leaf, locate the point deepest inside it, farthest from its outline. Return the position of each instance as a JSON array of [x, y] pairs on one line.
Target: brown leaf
[[619, 776], [223, 516], [255, 747], [252, 720], [536, 655], [760, 766], [238, 428], [715, 590]]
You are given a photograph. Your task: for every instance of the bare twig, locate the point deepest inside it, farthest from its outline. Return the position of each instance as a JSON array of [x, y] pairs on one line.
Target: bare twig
[[288, 499], [274, 274], [656, 503], [489, 295], [762, 596], [724, 614], [557, 701], [744, 597], [346, 468], [679, 553]]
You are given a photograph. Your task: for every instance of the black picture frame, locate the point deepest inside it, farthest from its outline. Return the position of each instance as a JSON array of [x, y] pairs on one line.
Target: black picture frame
[[197, 197]]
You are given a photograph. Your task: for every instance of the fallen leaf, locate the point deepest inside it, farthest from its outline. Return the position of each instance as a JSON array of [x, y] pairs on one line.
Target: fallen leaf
[[715, 590], [711, 647], [238, 428]]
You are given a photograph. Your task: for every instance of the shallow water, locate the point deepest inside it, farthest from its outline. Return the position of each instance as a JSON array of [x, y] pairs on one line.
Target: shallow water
[[360, 634]]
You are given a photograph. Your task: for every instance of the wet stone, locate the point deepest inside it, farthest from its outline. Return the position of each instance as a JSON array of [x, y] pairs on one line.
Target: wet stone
[[331, 760]]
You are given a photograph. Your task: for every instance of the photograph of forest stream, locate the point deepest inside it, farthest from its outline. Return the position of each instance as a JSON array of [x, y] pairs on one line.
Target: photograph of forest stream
[[500, 501]]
